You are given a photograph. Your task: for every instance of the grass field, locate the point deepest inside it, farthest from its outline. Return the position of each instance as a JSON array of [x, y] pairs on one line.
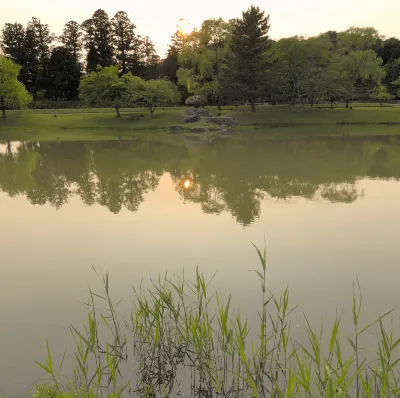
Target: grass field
[[268, 121]]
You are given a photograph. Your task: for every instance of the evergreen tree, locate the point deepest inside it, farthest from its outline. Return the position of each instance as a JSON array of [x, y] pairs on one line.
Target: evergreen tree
[[98, 41], [44, 38], [12, 42], [170, 64], [124, 41], [30, 65], [71, 38], [64, 72], [151, 61], [244, 74]]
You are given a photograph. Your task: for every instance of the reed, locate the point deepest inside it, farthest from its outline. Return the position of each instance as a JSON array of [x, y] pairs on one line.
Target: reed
[[180, 339]]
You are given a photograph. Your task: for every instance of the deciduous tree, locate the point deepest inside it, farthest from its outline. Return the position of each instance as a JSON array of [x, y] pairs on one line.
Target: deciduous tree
[[12, 92], [103, 88], [152, 93]]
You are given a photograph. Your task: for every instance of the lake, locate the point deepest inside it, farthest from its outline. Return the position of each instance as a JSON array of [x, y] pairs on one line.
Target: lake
[[327, 208]]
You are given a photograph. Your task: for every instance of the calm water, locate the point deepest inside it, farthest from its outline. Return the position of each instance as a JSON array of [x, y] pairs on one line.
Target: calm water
[[329, 211]]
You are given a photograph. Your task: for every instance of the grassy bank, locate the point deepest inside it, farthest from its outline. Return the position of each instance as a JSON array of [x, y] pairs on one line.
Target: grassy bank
[[181, 339], [268, 121]]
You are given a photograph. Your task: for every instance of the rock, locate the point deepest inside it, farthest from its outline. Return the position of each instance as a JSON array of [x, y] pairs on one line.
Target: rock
[[197, 111], [196, 100], [222, 129], [191, 119], [175, 129], [223, 121], [199, 130], [229, 121]]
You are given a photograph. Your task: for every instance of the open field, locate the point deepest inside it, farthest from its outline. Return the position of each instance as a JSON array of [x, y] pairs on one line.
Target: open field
[[268, 121]]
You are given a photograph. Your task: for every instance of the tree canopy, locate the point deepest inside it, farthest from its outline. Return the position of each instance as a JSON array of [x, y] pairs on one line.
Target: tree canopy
[[12, 92], [223, 60], [105, 87]]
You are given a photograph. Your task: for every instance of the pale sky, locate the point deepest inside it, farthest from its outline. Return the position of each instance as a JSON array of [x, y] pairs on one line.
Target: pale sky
[[158, 19]]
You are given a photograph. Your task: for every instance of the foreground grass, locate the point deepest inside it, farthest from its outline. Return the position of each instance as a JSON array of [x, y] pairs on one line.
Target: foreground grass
[[268, 121], [181, 340]]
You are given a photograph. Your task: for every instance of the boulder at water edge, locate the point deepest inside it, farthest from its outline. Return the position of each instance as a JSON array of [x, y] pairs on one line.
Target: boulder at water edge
[[191, 118]]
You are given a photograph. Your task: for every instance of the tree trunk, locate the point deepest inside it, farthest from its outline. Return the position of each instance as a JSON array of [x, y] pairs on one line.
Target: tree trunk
[[219, 104], [117, 110], [381, 105], [151, 113], [347, 104], [331, 104], [312, 102], [2, 106], [253, 104]]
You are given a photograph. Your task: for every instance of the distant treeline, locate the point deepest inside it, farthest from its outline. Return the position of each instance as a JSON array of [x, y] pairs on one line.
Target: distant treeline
[[223, 60]]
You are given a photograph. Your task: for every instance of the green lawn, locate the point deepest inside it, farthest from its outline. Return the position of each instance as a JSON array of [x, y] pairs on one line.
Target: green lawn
[[268, 121]]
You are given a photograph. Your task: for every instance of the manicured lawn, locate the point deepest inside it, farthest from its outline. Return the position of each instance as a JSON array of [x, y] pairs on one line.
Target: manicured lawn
[[268, 121]]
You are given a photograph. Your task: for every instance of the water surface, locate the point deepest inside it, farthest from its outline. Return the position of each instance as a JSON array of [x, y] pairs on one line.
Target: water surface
[[328, 209]]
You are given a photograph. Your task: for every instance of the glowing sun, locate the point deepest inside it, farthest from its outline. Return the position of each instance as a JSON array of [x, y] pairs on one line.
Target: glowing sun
[[184, 26]]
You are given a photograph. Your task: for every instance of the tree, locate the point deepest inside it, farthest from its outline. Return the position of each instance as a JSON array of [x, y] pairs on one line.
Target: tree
[[103, 88], [64, 73], [98, 41], [246, 66], [202, 55], [152, 93], [12, 92], [150, 59], [12, 42], [44, 38], [124, 40], [381, 94], [72, 38], [389, 50], [170, 64], [358, 39], [299, 71], [364, 72]]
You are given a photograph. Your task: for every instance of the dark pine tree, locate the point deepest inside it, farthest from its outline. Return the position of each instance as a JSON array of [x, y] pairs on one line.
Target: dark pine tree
[[71, 38], [170, 64], [244, 73], [124, 41], [64, 72], [12, 42], [98, 41]]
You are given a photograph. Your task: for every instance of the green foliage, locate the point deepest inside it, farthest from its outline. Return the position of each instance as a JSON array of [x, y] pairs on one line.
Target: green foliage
[[203, 53], [64, 73], [12, 92], [103, 88], [244, 73], [152, 93], [300, 70], [71, 38], [124, 40], [382, 95], [97, 39]]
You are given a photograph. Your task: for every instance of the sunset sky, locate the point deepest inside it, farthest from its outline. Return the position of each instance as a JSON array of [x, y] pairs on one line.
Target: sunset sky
[[158, 19]]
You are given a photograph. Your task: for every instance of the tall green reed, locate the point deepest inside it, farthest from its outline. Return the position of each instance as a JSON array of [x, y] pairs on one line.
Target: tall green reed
[[181, 339]]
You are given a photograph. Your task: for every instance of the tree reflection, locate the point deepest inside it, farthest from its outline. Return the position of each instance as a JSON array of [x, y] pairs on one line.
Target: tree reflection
[[224, 176]]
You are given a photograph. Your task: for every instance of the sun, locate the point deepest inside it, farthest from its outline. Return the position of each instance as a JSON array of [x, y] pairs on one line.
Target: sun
[[184, 26]]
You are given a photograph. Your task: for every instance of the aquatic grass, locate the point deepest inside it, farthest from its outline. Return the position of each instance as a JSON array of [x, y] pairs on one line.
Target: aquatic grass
[[183, 339]]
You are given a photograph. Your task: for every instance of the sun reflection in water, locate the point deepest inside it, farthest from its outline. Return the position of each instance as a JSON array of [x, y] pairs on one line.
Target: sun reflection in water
[[188, 183]]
